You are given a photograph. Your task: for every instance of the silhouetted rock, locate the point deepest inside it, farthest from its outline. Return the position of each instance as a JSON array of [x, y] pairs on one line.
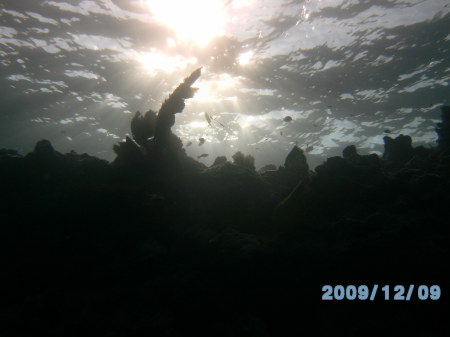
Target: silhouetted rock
[[283, 180], [335, 167], [45, 159], [296, 160], [295, 169], [43, 150], [351, 155], [349, 152], [443, 128], [266, 168], [399, 149], [246, 161], [219, 160]]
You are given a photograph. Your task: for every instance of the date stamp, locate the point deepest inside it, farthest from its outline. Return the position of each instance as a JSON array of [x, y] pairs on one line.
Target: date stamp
[[385, 292]]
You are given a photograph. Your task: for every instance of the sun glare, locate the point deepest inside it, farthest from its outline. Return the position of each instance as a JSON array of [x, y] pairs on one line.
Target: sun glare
[[195, 20], [245, 58], [153, 62], [216, 88]]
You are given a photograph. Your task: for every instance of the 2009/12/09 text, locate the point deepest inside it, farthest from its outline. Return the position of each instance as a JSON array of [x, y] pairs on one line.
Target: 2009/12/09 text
[[386, 292]]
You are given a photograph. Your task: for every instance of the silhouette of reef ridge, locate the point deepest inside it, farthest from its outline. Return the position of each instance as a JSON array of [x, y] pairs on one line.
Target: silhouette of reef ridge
[[157, 243]]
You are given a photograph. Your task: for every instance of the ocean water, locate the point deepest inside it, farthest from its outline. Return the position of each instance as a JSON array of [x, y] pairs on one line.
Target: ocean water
[[345, 72]]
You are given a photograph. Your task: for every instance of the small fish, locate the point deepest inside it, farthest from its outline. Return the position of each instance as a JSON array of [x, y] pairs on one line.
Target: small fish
[[287, 118], [387, 131], [208, 118], [188, 144], [329, 106], [201, 141], [315, 125], [203, 155], [309, 148], [281, 133], [62, 131]]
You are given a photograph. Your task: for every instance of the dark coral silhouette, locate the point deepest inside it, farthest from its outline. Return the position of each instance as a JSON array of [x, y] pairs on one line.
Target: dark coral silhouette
[[443, 128], [244, 160], [143, 126], [152, 132], [399, 149], [172, 105]]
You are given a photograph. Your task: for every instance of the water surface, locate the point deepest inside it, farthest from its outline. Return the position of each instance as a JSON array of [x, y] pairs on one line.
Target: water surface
[[346, 72]]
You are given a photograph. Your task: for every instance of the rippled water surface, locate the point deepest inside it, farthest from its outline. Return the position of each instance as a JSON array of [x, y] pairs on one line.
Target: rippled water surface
[[346, 72]]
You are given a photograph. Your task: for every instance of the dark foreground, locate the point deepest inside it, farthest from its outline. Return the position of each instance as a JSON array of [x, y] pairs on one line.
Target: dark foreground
[[91, 248]]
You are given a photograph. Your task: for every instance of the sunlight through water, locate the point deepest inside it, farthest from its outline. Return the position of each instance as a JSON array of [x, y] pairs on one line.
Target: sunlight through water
[[196, 20], [276, 73]]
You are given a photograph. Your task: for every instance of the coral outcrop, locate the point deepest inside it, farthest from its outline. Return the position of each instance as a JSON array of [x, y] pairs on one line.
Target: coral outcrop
[[443, 128], [244, 160], [154, 143], [399, 149]]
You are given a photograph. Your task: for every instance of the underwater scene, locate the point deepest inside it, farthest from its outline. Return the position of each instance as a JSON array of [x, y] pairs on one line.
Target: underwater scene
[[225, 167]]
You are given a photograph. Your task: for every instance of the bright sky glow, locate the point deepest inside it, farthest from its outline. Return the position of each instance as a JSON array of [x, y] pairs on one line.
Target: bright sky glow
[[154, 61], [245, 58], [195, 20], [213, 90]]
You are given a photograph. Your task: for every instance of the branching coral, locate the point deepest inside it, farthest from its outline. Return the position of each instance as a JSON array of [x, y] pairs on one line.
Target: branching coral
[[143, 126], [153, 131], [172, 105]]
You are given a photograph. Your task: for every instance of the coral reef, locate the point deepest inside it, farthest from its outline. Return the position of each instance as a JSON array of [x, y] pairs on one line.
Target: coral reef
[[156, 242]]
